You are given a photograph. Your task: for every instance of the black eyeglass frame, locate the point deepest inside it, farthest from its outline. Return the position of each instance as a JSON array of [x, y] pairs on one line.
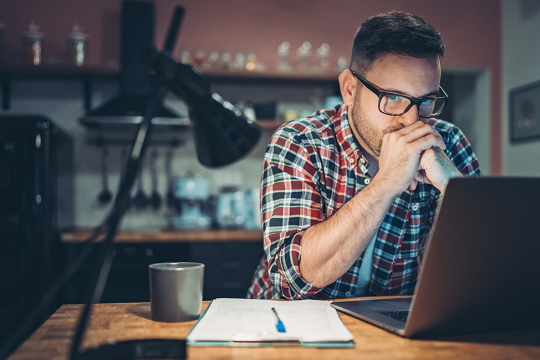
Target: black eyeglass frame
[[413, 100]]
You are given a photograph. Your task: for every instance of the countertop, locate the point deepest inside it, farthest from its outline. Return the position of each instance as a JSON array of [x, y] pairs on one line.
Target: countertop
[[168, 236]]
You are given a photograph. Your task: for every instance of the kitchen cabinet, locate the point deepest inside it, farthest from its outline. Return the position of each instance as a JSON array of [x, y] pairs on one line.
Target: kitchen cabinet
[[229, 266], [230, 259]]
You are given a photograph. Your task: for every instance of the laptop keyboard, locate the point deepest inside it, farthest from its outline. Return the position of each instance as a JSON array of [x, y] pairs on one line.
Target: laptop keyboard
[[397, 315]]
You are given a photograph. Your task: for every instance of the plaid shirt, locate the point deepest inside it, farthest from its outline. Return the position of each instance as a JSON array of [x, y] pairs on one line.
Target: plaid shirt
[[312, 167]]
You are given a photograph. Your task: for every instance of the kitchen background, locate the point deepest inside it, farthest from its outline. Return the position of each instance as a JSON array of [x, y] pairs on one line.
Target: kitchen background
[[258, 27], [490, 50]]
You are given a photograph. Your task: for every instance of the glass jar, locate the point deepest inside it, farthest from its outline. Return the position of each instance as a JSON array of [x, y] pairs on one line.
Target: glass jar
[[76, 48], [33, 41]]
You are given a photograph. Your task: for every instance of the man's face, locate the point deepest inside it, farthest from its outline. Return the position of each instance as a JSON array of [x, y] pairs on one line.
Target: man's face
[[402, 75]]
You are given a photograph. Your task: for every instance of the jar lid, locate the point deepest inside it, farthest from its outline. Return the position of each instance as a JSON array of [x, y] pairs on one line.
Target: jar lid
[[33, 33], [77, 34]]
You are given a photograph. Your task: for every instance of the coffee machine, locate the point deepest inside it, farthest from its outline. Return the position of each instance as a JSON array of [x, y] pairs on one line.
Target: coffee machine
[[191, 194]]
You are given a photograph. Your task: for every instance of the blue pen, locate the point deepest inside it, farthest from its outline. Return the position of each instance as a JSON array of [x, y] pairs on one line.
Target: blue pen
[[279, 324]]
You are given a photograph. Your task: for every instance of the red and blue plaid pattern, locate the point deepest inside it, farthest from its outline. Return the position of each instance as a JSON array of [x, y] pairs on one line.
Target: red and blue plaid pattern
[[312, 167]]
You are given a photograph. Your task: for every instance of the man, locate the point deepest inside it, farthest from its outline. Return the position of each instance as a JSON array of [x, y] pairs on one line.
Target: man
[[348, 195]]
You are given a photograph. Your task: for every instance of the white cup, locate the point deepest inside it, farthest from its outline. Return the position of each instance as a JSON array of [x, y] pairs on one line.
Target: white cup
[[176, 291]]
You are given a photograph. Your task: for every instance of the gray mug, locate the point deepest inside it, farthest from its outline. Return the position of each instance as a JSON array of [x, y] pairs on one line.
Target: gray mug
[[176, 291]]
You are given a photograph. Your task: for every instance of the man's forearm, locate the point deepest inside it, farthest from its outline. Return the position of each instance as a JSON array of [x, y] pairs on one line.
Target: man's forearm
[[331, 247]]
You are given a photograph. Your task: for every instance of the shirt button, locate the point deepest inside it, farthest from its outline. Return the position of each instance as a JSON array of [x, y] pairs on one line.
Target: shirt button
[[351, 160], [348, 294], [415, 207], [362, 161], [367, 181]]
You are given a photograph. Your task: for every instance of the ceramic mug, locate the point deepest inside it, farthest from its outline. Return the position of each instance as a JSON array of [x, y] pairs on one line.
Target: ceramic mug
[[176, 291]]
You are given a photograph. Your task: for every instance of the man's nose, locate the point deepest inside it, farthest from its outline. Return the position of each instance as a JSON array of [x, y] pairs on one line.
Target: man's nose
[[410, 117]]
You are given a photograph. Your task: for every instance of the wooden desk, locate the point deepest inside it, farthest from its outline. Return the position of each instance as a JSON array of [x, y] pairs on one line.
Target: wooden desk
[[130, 321]]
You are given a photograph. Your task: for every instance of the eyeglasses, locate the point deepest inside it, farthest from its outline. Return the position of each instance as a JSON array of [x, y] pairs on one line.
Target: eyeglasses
[[397, 104]]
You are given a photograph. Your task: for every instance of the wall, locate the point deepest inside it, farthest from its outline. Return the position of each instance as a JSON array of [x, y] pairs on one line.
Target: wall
[[235, 25], [520, 28], [470, 105]]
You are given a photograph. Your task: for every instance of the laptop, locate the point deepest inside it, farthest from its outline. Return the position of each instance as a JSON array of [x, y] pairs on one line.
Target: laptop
[[481, 267]]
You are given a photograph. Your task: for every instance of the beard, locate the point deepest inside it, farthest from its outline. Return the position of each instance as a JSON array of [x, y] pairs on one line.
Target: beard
[[366, 130]]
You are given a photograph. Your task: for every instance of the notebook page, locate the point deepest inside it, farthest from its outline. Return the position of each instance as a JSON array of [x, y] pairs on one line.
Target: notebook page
[[304, 320]]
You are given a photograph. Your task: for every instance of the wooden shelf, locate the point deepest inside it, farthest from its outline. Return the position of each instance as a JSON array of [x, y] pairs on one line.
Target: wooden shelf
[[52, 72], [250, 77], [86, 74], [169, 236], [106, 73]]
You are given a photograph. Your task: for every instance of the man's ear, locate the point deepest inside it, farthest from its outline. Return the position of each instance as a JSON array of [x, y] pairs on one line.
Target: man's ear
[[348, 86]]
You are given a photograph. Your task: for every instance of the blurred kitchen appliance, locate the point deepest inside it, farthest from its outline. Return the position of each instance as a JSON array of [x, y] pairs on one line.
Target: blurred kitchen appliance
[[191, 193], [36, 192], [230, 209], [237, 209], [253, 211]]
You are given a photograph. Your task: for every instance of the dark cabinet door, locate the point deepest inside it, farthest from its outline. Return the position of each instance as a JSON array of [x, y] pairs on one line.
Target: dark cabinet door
[[229, 267]]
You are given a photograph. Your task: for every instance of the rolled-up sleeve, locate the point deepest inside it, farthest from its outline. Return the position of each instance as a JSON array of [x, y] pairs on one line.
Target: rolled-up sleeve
[[290, 203]]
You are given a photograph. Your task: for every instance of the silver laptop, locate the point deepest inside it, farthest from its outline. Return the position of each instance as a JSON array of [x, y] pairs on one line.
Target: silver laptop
[[481, 268]]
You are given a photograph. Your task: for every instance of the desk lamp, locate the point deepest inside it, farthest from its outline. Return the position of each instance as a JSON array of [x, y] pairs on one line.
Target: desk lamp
[[222, 135]]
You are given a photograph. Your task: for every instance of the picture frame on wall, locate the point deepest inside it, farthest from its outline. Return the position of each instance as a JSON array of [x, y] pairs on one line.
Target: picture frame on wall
[[524, 117]]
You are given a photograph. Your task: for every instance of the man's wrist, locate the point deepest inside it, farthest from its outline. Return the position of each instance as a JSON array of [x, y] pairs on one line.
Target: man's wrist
[[385, 188]]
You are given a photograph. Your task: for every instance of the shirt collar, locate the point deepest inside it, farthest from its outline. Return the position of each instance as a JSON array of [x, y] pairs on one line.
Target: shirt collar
[[348, 143]]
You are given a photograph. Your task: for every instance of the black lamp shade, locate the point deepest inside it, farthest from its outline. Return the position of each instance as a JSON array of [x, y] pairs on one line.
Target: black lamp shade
[[223, 134]]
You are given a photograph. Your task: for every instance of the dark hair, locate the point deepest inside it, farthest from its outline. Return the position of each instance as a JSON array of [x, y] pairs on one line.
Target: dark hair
[[397, 33]]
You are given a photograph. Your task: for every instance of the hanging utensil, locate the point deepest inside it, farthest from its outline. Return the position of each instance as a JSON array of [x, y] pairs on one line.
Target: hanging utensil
[[140, 200], [105, 196], [171, 200], [155, 199], [123, 161]]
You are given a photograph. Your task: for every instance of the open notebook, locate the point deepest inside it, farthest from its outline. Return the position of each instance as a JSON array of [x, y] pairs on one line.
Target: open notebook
[[247, 322]]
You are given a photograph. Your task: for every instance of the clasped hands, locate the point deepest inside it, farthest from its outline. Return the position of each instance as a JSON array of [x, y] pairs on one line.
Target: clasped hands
[[414, 154]]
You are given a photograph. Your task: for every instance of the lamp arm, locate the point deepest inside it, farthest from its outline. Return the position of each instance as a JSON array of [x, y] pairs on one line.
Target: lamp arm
[[101, 272], [224, 128]]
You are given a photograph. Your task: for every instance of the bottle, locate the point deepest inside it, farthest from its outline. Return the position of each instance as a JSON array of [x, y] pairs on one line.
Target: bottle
[[252, 63], [200, 60], [226, 60], [303, 56], [239, 62], [33, 41], [323, 58], [213, 60], [185, 57], [342, 64], [283, 57], [76, 49]]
